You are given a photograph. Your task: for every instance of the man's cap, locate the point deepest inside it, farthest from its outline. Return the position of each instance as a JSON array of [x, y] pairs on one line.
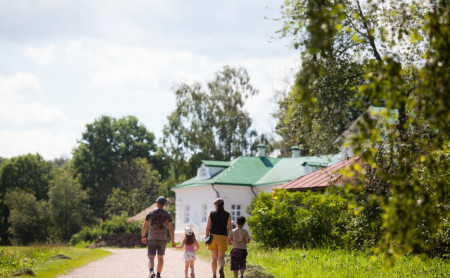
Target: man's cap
[[219, 202], [188, 231], [241, 220], [161, 200]]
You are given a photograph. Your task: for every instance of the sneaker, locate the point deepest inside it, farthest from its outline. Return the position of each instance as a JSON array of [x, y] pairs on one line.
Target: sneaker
[[151, 274], [192, 275], [221, 274], [241, 276]]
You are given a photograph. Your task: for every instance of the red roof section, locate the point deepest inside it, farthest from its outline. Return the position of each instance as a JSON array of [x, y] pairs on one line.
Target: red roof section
[[320, 178]]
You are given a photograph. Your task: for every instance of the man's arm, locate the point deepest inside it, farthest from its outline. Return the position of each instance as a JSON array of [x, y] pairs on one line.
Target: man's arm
[[144, 231], [172, 236]]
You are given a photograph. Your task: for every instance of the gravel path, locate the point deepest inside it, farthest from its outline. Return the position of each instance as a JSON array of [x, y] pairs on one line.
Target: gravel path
[[130, 263]]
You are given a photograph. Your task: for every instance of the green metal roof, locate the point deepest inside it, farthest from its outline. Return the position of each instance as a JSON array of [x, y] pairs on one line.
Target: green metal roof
[[258, 171], [292, 168], [247, 170], [214, 163]]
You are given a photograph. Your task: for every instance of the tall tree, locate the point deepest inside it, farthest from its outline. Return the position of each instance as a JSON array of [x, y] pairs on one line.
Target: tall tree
[[332, 83], [30, 219], [31, 173], [68, 204], [394, 36], [138, 184], [209, 123], [105, 146]]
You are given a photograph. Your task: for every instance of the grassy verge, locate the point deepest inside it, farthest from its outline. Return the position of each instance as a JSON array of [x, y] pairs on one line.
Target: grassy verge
[[253, 270], [45, 261], [342, 263]]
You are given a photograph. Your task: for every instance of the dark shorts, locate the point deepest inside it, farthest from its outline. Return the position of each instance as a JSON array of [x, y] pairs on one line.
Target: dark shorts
[[238, 259], [156, 247]]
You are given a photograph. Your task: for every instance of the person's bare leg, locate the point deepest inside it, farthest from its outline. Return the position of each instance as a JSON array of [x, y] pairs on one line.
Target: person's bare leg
[[160, 265], [151, 261], [186, 268], [221, 258], [214, 261], [235, 272], [192, 266], [242, 271]]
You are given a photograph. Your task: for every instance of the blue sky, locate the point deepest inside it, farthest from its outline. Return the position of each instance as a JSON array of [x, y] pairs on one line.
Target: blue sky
[[65, 63]]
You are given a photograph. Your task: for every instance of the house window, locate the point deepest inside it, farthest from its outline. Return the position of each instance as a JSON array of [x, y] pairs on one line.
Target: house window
[[204, 212], [186, 213], [236, 211]]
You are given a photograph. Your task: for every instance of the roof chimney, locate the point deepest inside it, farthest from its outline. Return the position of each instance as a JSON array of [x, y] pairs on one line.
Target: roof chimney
[[261, 150], [295, 151]]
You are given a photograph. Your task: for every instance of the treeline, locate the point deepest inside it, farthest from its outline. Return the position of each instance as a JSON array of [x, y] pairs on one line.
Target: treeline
[[355, 54], [115, 170], [118, 169]]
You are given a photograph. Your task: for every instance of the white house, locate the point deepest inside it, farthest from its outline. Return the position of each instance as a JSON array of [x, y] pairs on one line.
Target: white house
[[237, 182]]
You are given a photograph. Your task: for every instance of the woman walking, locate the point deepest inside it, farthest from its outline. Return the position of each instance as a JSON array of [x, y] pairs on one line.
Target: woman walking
[[218, 226]]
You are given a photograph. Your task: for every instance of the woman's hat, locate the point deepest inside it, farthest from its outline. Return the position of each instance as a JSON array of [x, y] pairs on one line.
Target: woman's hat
[[219, 202], [188, 231]]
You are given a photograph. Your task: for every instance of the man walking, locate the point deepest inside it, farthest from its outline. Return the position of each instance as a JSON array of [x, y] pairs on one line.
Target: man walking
[[157, 221]]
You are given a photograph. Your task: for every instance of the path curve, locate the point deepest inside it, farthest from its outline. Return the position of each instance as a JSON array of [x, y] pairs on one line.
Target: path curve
[[130, 263]]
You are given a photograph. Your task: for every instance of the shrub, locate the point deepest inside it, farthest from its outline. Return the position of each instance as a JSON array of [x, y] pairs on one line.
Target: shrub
[[299, 219], [115, 225]]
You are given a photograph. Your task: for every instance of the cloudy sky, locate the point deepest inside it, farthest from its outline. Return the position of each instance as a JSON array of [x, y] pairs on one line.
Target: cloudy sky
[[64, 63]]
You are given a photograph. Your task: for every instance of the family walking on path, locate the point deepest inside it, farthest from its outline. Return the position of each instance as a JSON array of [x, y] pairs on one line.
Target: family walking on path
[[219, 234]]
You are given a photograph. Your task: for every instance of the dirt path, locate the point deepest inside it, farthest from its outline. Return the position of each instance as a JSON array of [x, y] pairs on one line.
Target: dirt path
[[130, 263]]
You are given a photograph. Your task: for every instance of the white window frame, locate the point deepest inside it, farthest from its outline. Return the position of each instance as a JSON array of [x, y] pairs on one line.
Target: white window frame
[[236, 211], [204, 213], [186, 214]]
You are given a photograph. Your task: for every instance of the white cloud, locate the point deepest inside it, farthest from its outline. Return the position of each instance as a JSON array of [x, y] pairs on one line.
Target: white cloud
[[49, 145], [18, 106], [147, 69], [42, 56], [34, 113], [19, 86]]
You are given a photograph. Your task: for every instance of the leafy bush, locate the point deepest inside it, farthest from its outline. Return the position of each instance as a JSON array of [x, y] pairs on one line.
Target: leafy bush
[[115, 225], [300, 219], [313, 219]]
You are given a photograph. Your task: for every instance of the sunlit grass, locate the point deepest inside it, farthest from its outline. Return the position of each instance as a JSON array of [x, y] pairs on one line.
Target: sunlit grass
[[38, 259], [342, 263]]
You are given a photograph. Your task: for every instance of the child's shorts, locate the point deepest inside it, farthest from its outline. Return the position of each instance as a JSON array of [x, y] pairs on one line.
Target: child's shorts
[[238, 258], [189, 256]]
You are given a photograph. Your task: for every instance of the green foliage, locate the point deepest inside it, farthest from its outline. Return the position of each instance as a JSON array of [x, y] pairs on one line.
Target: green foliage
[[30, 219], [68, 204], [30, 173], [411, 177], [209, 123], [140, 183], [117, 224], [330, 102], [107, 146], [300, 219]]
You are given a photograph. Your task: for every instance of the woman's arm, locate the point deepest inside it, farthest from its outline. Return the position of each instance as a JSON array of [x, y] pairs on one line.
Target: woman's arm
[[230, 228], [208, 226]]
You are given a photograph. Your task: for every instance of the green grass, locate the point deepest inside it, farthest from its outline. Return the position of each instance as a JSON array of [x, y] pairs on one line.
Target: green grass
[[38, 259], [334, 263], [342, 263]]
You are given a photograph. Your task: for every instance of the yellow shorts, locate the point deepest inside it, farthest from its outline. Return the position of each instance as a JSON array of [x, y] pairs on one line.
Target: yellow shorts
[[219, 242]]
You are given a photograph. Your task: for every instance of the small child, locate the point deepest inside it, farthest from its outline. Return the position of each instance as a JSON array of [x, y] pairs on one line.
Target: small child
[[239, 238], [191, 246]]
